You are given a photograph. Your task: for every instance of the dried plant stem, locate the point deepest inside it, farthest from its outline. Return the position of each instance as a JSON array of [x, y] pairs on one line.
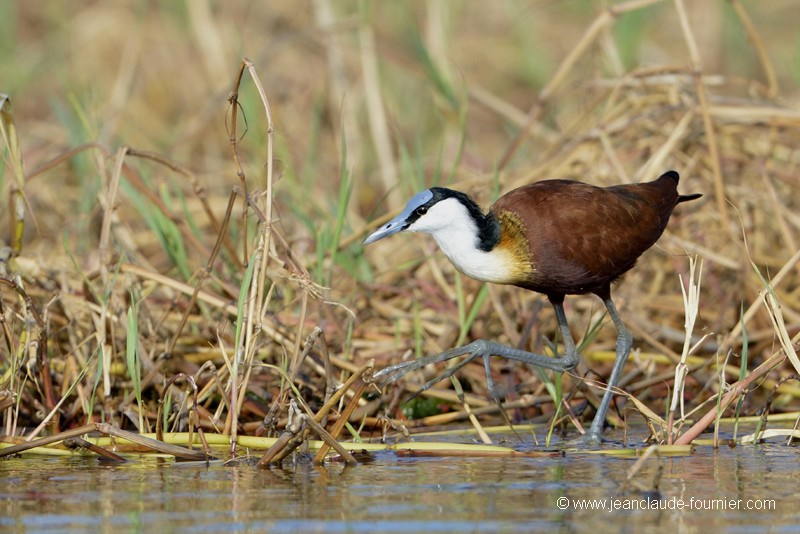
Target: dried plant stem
[[203, 296], [734, 391], [33, 349], [109, 430], [17, 199], [193, 411], [736, 331], [47, 440], [359, 389], [295, 437], [329, 439], [691, 305], [773, 307], [256, 301], [204, 274]]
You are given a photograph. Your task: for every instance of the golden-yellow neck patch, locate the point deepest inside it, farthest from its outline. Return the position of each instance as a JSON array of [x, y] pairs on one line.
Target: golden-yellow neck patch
[[514, 246]]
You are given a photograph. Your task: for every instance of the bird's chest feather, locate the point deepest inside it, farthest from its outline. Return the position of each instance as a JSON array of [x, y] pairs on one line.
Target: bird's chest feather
[[508, 262]]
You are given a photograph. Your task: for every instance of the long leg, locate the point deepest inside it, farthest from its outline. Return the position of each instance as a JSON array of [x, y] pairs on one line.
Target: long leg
[[483, 348], [624, 343]]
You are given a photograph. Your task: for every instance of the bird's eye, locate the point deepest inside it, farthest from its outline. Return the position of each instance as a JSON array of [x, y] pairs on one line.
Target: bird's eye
[[422, 210]]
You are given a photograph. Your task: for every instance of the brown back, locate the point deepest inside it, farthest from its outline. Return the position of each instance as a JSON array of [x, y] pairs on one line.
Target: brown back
[[582, 237]]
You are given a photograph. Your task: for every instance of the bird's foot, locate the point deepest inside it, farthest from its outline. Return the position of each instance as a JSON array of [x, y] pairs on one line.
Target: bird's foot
[[479, 348], [394, 372]]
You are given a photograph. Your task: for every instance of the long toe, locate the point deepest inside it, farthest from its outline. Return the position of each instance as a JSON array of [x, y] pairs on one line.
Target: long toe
[[395, 372]]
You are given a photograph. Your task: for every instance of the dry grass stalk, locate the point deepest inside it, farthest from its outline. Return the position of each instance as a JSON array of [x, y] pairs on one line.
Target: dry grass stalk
[[691, 303], [109, 430]]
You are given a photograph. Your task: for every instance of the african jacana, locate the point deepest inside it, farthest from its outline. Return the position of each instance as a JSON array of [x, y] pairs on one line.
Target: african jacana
[[556, 237]]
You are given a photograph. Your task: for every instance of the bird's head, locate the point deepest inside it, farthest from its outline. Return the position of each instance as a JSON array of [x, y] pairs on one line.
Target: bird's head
[[467, 236], [437, 211]]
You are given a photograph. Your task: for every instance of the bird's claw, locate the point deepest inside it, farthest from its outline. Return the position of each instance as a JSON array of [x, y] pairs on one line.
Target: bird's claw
[[394, 372], [476, 349], [480, 348]]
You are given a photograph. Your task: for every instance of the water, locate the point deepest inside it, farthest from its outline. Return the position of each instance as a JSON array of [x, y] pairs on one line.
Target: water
[[402, 494]]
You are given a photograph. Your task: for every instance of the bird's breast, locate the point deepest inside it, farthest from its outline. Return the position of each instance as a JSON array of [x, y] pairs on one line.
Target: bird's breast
[[495, 266], [508, 262]]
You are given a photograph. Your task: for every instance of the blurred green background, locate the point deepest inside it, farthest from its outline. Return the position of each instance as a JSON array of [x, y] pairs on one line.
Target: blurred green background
[[154, 75]]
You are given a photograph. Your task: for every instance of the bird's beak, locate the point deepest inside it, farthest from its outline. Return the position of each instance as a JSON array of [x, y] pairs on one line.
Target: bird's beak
[[398, 224]]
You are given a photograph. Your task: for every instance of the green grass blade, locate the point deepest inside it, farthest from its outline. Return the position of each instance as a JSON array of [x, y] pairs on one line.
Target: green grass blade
[[133, 359], [467, 320], [742, 370]]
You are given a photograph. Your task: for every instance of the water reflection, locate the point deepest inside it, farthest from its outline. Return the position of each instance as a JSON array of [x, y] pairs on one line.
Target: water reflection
[[399, 494]]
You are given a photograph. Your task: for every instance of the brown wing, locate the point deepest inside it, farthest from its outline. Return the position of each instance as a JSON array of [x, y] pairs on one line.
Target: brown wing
[[583, 237]]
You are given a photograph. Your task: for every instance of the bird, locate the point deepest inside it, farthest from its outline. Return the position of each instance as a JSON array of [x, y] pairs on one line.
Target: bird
[[554, 237]]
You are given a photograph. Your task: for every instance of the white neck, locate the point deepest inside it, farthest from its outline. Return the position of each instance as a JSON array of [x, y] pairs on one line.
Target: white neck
[[456, 233]]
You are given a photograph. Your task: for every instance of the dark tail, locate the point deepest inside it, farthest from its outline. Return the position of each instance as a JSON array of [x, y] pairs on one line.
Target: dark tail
[[686, 198]]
